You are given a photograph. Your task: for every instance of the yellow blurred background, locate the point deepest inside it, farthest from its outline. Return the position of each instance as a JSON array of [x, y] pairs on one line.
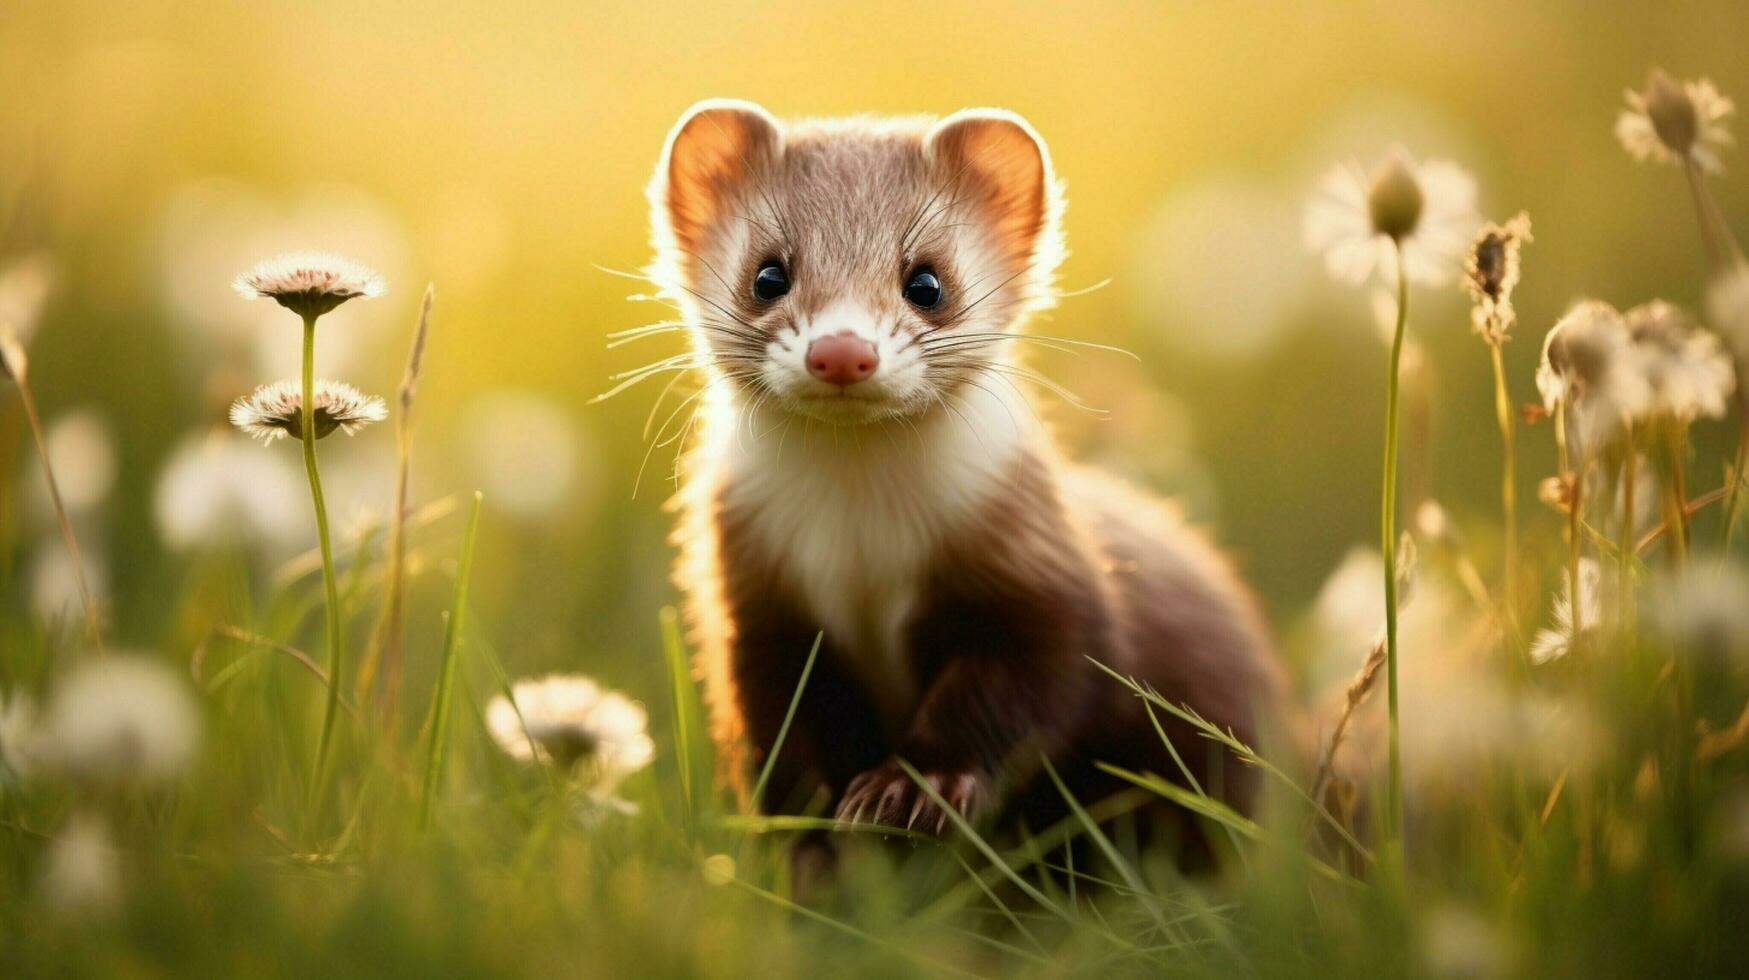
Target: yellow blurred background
[[152, 150]]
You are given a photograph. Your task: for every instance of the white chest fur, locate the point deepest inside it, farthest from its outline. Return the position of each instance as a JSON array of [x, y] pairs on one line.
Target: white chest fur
[[855, 514]]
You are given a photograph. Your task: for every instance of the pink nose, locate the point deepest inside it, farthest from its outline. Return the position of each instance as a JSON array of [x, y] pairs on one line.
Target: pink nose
[[842, 359]]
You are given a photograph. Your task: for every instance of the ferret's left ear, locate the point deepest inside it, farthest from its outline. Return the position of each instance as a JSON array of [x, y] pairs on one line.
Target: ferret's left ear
[[1005, 168]]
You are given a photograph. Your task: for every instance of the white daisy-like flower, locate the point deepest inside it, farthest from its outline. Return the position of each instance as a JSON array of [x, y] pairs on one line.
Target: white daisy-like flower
[[82, 871], [276, 410], [123, 720], [1428, 209], [1589, 363], [574, 723], [1676, 121], [1556, 641], [1688, 371], [309, 283], [1491, 273], [218, 490]]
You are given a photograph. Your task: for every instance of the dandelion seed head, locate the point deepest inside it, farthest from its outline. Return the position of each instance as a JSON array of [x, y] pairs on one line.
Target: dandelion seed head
[[82, 452], [1589, 363], [275, 410], [574, 723], [1676, 121], [123, 720], [309, 283], [1356, 220], [1491, 273], [1687, 371]]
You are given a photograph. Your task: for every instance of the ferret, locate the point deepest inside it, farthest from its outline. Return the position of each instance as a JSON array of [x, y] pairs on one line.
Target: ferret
[[867, 472]]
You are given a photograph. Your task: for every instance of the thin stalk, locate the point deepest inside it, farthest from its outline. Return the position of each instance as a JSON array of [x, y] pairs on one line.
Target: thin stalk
[[1723, 251], [1387, 546], [1675, 445], [93, 622], [319, 787], [1566, 455], [439, 745], [1697, 194], [1625, 577], [386, 640], [1508, 467], [1729, 515]]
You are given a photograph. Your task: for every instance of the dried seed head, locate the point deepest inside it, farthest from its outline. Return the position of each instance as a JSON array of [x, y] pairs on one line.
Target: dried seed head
[[13, 363], [1672, 120], [274, 411], [1394, 198], [1492, 273], [1686, 369], [1672, 112]]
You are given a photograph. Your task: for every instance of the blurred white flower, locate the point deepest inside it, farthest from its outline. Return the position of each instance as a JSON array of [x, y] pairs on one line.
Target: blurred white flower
[[1688, 372], [1727, 304], [219, 490], [17, 729], [1703, 612], [573, 721], [25, 285], [275, 410], [1357, 220], [1206, 269], [1459, 944], [1554, 642], [54, 580], [82, 453], [524, 452], [1671, 121], [82, 873], [120, 720], [1589, 362]]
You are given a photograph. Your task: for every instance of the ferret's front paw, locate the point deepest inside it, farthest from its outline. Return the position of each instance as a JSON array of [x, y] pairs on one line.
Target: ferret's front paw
[[886, 796]]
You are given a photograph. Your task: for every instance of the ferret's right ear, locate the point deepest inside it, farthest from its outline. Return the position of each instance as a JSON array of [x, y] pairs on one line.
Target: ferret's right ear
[[716, 147]]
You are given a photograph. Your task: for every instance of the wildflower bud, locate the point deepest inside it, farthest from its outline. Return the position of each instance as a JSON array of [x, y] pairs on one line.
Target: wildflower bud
[[718, 869], [1672, 112], [12, 359], [1394, 198], [1557, 492]]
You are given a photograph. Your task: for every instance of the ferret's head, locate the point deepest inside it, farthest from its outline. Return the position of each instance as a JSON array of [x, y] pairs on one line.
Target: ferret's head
[[854, 270]]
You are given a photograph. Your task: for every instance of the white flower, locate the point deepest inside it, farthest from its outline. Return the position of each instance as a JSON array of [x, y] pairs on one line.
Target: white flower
[[572, 720], [217, 491], [309, 283], [1589, 363], [1555, 642], [1704, 614], [1491, 273], [275, 410], [83, 870], [1689, 373], [1356, 221], [1727, 304], [54, 581], [1672, 121], [82, 453], [120, 720]]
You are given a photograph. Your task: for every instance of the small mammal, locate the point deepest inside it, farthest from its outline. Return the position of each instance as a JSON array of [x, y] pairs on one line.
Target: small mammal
[[867, 471]]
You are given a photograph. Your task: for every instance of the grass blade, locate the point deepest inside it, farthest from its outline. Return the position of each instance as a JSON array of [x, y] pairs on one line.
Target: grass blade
[[788, 716], [439, 745]]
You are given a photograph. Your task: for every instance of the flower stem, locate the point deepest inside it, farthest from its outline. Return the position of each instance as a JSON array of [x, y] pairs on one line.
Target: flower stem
[[319, 786], [1508, 474], [1626, 530], [1388, 546], [93, 622]]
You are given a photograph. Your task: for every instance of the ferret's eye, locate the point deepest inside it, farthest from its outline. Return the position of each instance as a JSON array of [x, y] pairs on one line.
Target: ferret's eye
[[924, 289], [770, 282]]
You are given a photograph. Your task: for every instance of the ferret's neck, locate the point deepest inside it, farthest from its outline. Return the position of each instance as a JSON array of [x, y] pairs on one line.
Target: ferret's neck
[[939, 463]]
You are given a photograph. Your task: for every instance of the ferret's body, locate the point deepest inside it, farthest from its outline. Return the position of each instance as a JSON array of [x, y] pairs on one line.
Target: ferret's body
[[868, 471]]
